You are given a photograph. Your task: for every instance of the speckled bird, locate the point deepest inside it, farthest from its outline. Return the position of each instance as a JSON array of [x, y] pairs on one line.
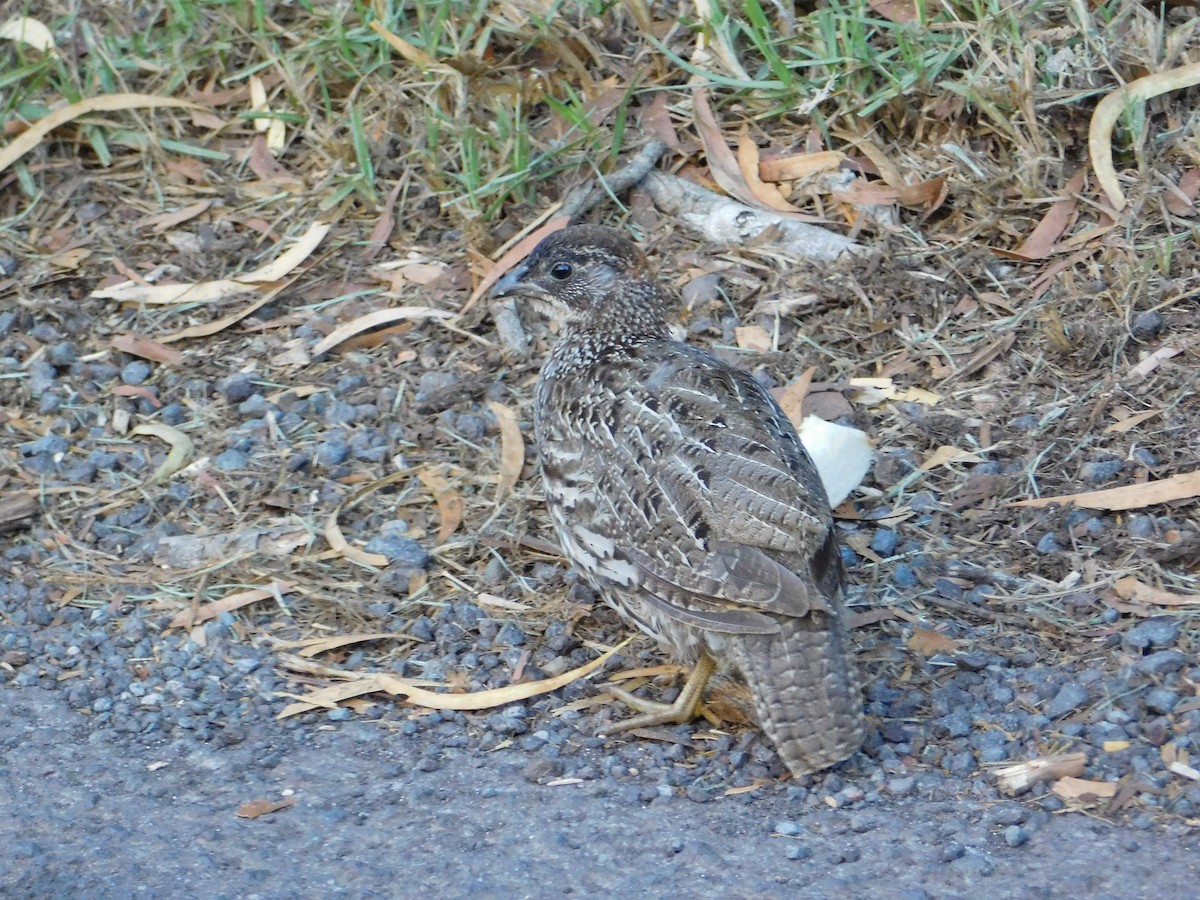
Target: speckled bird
[[681, 491]]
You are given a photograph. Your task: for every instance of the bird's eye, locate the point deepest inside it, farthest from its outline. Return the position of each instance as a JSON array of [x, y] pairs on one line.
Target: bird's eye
[[561, 271]]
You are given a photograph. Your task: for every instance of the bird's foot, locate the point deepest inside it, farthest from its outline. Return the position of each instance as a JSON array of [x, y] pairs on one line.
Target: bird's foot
[[686, 707]]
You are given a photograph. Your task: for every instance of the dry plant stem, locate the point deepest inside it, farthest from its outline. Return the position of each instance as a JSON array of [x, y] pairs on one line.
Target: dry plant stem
[[585, 196], [685, 708], [1109, 110], [721, 220]]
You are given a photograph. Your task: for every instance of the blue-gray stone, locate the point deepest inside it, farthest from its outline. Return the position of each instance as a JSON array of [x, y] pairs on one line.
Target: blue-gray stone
[[884, 542], [399, 550], [231, 461], [1158, 631], [1069, 698], [1048, 544], [1161, 701], [136, 372]]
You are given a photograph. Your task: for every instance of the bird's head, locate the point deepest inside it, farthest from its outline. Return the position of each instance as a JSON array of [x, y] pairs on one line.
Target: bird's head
[[589, 277]]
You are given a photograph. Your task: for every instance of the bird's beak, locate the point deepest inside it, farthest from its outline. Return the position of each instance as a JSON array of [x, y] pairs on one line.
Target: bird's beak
[[512, 283]]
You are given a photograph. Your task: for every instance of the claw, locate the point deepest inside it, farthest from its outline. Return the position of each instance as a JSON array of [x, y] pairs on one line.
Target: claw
[[686, 707]]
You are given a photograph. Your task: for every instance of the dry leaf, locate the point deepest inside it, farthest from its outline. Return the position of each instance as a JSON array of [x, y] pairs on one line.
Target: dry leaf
[[799, 165], [767, 194], [147, 349], [1150, 363], [512, 448], [107, 103], [374, 320], [1116, 746], [179, 454], [1181, 768], [721, 162], [1132, 421], [1180, 201], [928, 642], [329, 697], [206, 611], [166, 221], [338, 544], [898, 11], [1041, 241], [220, 289], [946, 454], [753, 337], [1109, 110], [30, 32], [316, 646], [252, 809], [449, 503], [1129, 588], [1132, 496], [791, 398], [1072, 788]]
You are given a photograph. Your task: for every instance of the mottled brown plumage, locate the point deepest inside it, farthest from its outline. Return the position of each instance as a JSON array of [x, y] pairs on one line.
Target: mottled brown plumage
[[682, 493]]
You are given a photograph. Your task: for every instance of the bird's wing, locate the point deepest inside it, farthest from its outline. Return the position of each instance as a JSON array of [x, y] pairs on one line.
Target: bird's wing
[[703, 494]]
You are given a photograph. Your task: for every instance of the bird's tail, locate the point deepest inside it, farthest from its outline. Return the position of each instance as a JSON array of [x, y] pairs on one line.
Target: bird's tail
[[806, 690]]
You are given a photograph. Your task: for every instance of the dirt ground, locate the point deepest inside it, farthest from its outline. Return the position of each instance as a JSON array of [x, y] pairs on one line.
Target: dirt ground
[[232, 500]]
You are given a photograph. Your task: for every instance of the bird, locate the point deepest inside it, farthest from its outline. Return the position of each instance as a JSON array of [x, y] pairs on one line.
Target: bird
[[681, 492]]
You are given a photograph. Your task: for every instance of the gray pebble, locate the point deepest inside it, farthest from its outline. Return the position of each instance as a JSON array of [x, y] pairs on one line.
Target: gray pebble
[[1015, 836], [1142, 526], [1161, 701], [1159, 631], [136, 372], [400, 550], [41, 377], [63, 354], [884, 542], [1147, 325], [1103, 470], [238, 387], [1048, 544], [797, 852], [1162, 662], [788, 828], [1069, 698], [231, 461], [904, 577]]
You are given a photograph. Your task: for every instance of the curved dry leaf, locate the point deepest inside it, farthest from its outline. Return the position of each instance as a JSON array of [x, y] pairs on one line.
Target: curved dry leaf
[[512, 448], [1129, 588], [107, 103], [1109, 110], [338, 543], [766, 194], [721, 162], [220, 289], [30, 32], [374, 320], [206, 611], [179, 454], [333, 531], [496, 696]]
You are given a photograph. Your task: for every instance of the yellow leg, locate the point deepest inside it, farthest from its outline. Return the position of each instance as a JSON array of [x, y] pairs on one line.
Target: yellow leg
[[685, 708]]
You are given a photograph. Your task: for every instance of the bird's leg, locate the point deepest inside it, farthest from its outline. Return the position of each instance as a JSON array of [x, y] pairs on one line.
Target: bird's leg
[[685, 708]]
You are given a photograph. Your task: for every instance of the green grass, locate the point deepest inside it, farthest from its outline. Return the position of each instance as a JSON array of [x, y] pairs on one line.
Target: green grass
[[505, 109]]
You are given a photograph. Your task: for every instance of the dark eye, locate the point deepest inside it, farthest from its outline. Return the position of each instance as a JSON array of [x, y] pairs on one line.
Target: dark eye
[[561, 271]]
